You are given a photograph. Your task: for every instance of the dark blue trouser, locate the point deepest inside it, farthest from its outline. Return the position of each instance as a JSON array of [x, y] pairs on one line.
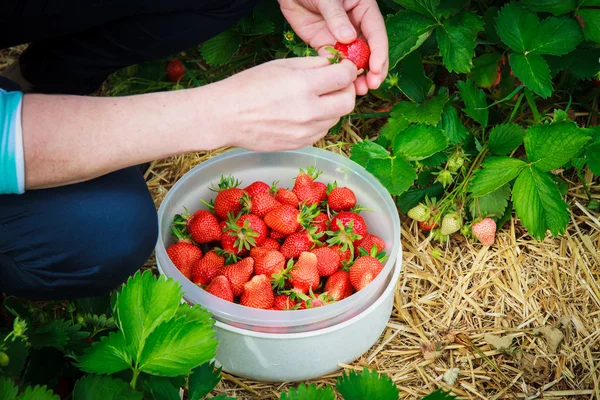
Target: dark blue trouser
[[79, 240]]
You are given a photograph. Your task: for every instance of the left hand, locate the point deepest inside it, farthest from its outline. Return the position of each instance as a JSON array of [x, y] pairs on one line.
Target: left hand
[[322, 23]]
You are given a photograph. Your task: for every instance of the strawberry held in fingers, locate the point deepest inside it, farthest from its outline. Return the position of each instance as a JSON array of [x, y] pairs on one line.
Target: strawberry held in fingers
[[238, 274], [205, 269], [229, 197], [221, 287], [358, 52], [258, 293]]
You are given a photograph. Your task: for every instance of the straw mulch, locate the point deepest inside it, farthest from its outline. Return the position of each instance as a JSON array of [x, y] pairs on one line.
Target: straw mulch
[[447, 305]]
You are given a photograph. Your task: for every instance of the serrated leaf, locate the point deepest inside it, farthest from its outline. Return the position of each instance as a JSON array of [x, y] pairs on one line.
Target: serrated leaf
[[475, 102], [107, 356], [584, 63], [311, 392], [495, 173], [590, 19], [413, 82], [395, 174], [8, 390], [456, 39], [549, 146], [592, 156], [428, 8], [435, 160], [203, 380], [490, 24], [367, 385], [38, 393], [406, 30], [51, 334], [556, 36], [160, 388], [452, 126], [559, 63], [505, 138], [517, 27], [419, 141], [177, 346], [416, 195], [493, 203], [97, 387], [366, 150], [486, 70], [534, 72], [17, 352], [429, 112], [439, 395], [450, 7], [556, 7], [394, 125], [538, 203], [144, 303], [219, 49]]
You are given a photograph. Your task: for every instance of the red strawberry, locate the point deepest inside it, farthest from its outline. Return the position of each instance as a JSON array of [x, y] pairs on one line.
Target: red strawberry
[[183, 254], [230, 243], [204, 227], [284, 302], [340, 198], [296, 243], [317, 194], [304, 274], [223, 226], [276, 235], [266, 261], [369, 241], [285, 196], [328, 260], [258, 293], [358, 52], [485, 231], [359, 225], [306, 189], [338, 285], [221, 287], [229, 197], [270, 243], [175, 70], [364, 270], [257, 187], [207, 268], [260, 204], [314, 300], [286, 219], [238, 274], [428, 225], [256, 224], [345, 255], [321, 222]]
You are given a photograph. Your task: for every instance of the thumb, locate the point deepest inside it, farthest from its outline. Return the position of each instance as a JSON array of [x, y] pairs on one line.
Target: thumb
[[337, 20]]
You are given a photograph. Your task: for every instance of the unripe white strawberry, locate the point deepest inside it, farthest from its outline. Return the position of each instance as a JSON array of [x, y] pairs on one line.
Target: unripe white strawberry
[[485, 231], [451, 223], [445, 178], [419, 213]]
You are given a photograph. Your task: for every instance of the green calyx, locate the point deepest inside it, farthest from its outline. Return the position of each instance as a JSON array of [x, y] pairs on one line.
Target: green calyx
[[311, 171], [345, 237], [307, 214], [246, 236], [181, 233], [278, 280], [226, 182], [381, 256]]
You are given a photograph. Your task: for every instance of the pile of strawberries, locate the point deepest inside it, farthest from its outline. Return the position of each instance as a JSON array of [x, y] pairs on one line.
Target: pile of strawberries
[[278, 249]]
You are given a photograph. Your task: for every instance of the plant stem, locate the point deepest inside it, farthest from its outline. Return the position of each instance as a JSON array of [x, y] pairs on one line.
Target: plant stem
[[136, 373], [530, 100]]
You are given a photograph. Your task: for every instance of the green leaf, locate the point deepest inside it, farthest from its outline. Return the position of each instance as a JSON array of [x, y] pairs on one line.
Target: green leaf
[[160, 388], [144, 303], [406, 30], [493, 203], [517, 27], [366, 150], [256, 24], [556, 36], [429, 112], [414, 196], [177, 346], [413, 82], [549, 146], [419, 141], [592, 156], [591, 24], [456, 39], [367, 385], [203, 380], [538, 203], [556, 7], [505, 138], [439, 395], [311, 392], [38, 393], [475, 101], [486, 70], [97, 387], [584, 63], [450, 7], [51, 334], [534, 72], [17, 352], [8, 390], [107, 356], [452, 126], [223, 397], [396, 174], [395, 125], [495, 173], [218, 50], [425, 7], [490, 26], [435, 160]]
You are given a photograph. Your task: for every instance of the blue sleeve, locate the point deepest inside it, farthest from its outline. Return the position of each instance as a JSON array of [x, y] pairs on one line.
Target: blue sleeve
[[12, 163]]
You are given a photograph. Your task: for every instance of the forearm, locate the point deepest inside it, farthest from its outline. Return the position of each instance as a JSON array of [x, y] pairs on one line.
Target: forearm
[[68, 139]]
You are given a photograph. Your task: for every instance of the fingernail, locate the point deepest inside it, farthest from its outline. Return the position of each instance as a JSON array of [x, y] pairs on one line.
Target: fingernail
[[346, 33]]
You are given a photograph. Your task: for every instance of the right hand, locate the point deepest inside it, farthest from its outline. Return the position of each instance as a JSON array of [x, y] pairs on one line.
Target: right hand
[[286, 104]]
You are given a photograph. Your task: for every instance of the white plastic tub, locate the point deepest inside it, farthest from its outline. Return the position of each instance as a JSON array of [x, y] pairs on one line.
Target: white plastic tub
[[283, 167]]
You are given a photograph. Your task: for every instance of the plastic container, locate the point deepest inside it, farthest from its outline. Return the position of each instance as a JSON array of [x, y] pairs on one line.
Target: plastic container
[[283, 167], [308, 355]]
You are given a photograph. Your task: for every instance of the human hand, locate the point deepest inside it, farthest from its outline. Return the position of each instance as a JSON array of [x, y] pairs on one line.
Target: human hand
[[322, 23], [286, 104]]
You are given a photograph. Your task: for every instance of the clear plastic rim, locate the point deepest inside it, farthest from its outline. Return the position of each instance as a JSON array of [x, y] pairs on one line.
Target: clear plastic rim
[[296, 317]]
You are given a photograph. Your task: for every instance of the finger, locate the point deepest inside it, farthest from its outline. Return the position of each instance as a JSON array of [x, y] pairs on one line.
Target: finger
[[305, 62], [360, 85], [337, 20], [332, 78], [373, 28], [337, 104]]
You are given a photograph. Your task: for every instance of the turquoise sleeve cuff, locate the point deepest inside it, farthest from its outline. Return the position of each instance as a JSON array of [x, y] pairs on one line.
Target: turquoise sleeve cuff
[[12, 161]]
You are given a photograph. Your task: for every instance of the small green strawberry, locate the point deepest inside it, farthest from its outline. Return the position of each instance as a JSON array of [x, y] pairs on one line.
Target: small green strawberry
[[455, 162], [420, 212], [445, 178], [451, 223]]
